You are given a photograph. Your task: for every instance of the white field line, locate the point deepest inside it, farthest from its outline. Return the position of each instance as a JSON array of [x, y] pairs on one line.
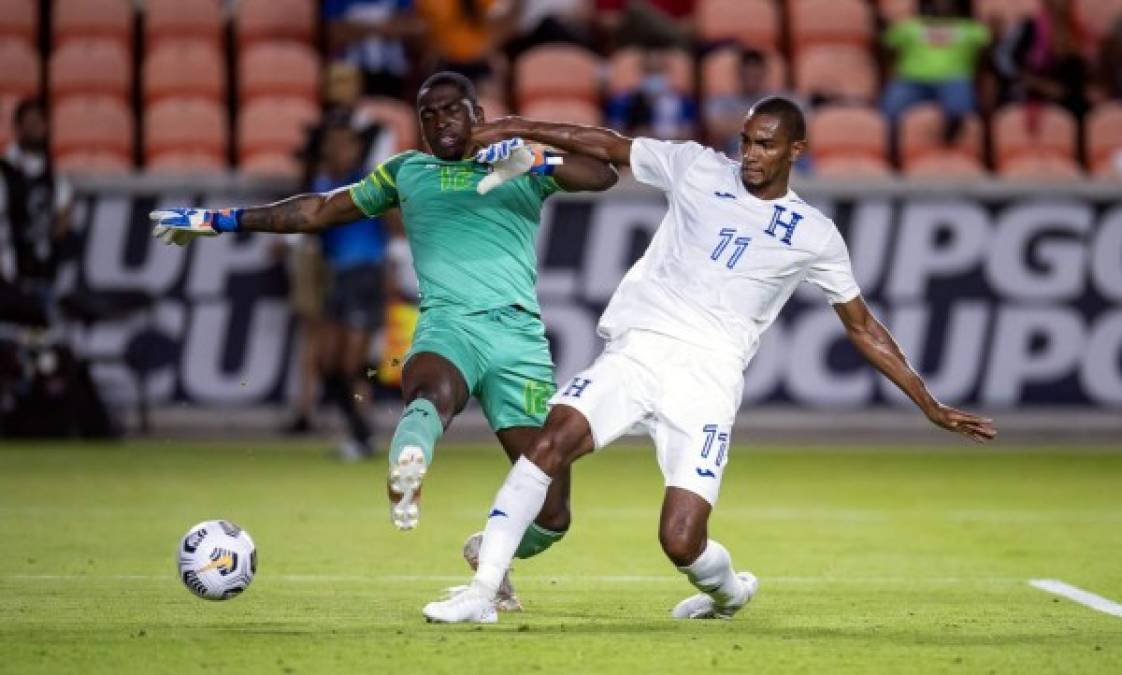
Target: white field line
[[623, 578], [1076, 594]]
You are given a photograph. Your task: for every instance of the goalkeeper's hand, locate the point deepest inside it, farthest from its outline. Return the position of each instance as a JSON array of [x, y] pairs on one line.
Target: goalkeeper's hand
[[510, 159], [181, 226]]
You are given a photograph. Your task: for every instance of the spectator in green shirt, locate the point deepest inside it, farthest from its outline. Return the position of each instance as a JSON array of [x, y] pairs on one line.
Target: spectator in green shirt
[[935, 58]]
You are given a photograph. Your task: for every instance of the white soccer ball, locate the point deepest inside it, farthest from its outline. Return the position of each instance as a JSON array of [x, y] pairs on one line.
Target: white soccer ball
[[217, 560]]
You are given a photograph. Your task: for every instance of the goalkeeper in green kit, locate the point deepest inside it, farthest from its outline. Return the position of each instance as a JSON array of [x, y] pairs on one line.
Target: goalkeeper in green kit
[[471, 221]]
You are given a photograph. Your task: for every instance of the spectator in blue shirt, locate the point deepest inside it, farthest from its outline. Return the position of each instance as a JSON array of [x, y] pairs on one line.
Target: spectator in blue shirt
[[654, 108], [373, 35]]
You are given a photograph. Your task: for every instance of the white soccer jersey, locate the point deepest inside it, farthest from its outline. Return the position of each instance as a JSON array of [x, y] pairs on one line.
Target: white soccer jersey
[[722, 263]]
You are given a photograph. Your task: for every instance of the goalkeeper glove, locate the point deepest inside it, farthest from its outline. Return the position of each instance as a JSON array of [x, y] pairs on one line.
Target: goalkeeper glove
[[181, 226], [510, 159]]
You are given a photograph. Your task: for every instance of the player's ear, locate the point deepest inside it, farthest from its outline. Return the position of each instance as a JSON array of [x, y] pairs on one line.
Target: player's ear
[[797, 150], [477, 116]]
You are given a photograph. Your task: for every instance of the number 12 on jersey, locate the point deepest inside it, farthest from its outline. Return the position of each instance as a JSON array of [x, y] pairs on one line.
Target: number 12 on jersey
[[739, 245]]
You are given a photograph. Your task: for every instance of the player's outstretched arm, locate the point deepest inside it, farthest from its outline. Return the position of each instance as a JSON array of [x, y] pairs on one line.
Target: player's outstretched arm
[[879, 348], [595, 142], [311, 212]]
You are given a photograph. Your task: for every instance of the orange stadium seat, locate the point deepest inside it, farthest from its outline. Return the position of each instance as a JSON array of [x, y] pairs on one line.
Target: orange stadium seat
[[272, 164], [20, 19], [1004, 13], [844, 72], [188, 67], [947, 164], [180, 124], [921, 133], [275, 20], [1021, 131], [176, 19], [274, 125], [279, 69], [1098, 17], [397, 116], [108, 19], [556, 71], [572, 111], [94, 161], [848, 131], [1103, 136], [854, 168], [894, 10], [20, 68], [90, 66], [720, 73], [1040, 168], [754, 23], [186, 162], [818, 22], [100, 124], [625, 71]]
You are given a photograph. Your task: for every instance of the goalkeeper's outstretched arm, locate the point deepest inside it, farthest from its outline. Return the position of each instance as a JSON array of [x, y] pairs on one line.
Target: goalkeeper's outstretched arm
[[595, 142], [311, 212]]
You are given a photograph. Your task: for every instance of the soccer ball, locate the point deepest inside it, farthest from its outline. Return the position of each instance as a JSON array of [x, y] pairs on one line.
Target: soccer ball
[[217, 560]]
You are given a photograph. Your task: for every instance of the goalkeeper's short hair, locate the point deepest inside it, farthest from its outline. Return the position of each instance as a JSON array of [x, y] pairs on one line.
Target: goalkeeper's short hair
[[450, 78]]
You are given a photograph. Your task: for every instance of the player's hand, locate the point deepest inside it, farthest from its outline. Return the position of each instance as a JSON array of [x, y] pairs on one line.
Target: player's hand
[[508, 159], [977, 429], [181, 226]]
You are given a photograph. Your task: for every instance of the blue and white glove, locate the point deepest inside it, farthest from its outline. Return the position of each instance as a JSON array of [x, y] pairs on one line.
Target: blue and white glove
[[181, 226], [512, 158]]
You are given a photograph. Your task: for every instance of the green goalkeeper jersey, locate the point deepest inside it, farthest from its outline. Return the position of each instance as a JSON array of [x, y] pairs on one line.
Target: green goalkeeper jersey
[[471, 252]]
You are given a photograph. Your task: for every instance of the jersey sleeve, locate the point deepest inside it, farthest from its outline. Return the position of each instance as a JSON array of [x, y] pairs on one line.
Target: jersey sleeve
[[378, 191], [660, 163], [545, 185], [833, 272]]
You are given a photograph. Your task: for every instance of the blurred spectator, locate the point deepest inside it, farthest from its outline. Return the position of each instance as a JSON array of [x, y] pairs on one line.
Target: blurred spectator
[[646, 23], [724, 114], [307, 287], [372, 35], [462, 34], [936, 55], [545, 21], [37, 207], [1110, 61], [654, 109], [1041, 59], [354, 308]]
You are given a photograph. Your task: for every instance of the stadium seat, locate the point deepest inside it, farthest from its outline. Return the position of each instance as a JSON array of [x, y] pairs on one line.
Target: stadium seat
[[1004, 13], [556, 71], [754, 23], [97, 124], [186, 162], [274, 125], [1040, 130], [90, 66], [106, 19], [185, 124], [894, 10], [176, 19], [1040, 168], [94, 162], [625, 71], [1098, 17], [257, 20], [279, 69], [848, 131], [720, 73], [1103, 136], [396, 115], [921, 133], [572, 111], [852, 168], [20, 68], [187, 67], [271, 164], [20, 19], [821, 22], [844, 72], [944, 164]]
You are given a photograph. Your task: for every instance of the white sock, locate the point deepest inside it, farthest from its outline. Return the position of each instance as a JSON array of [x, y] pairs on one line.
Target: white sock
[[517, 504], [712, 574]]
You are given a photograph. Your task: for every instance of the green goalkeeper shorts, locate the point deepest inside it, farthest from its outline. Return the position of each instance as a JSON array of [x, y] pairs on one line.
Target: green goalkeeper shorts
[[503, 355]]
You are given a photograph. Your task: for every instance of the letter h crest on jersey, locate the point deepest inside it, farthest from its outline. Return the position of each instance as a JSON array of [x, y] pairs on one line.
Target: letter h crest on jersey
[[788, 226]]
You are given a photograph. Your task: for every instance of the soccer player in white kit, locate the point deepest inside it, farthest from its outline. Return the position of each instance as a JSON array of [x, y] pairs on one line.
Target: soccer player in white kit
[[680, 329]]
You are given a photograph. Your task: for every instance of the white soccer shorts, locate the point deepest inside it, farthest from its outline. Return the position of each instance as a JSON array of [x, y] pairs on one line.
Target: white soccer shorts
[[683, 395]]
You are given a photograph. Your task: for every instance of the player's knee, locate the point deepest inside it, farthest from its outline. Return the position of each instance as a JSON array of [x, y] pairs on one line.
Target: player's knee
[[681, 541]]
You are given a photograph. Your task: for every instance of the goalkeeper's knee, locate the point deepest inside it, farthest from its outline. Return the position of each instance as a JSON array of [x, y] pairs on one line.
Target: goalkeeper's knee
[[536, 540]]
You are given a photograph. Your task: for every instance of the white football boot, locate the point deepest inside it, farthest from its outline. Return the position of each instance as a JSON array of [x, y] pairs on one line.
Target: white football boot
[[702, 606], [405, 487], [464, 604], [505, 599]]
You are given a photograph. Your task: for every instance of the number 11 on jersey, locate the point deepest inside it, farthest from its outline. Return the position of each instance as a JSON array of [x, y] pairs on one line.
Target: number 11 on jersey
[[740, 244]]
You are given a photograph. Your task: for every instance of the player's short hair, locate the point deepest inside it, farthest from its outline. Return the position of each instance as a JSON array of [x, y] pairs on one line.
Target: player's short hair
[[788, 112], [449, 78], [26, 106]]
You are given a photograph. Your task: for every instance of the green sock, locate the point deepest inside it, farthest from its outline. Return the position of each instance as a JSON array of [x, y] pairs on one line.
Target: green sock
[[536, 540], [419, 425]]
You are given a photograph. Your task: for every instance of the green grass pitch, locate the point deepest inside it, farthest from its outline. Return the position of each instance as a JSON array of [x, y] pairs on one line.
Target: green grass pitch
[[870, 561]]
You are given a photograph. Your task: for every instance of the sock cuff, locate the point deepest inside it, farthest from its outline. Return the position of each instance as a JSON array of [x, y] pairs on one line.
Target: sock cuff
[[426, 414], [532, 471], [712, 548], [547, 533]]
